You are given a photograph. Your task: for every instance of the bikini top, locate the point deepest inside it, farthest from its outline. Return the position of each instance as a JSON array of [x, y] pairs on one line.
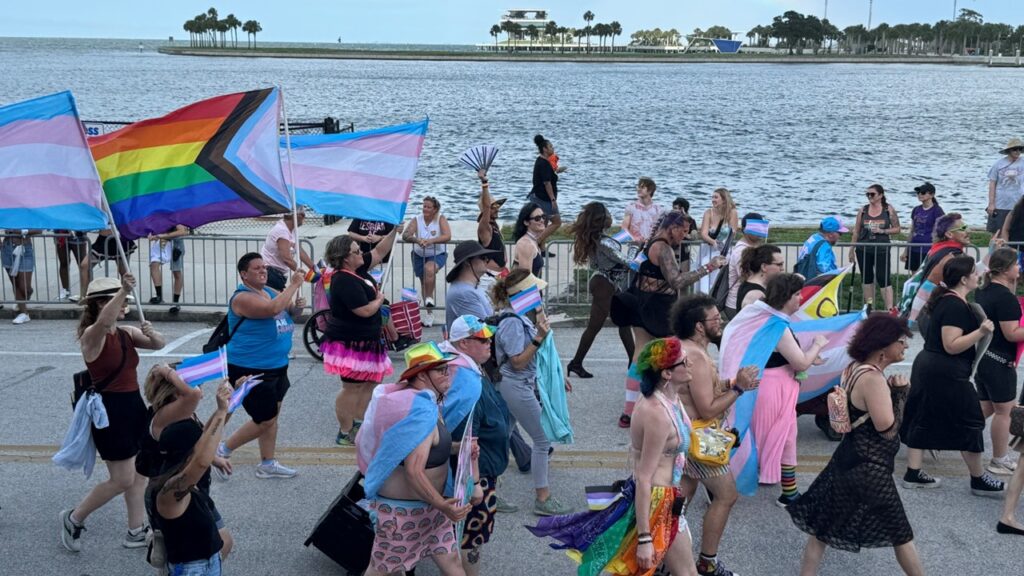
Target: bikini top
[[440, 452]]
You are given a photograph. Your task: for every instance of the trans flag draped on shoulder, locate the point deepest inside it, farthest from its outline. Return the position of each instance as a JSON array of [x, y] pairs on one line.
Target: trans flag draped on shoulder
[[213, 160], [464, 392], [397, 421], [749, 340], [47, 177], [366, 175]]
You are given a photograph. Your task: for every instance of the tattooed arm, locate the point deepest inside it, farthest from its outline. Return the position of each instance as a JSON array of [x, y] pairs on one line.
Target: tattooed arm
[[678, 279], [173, 498]]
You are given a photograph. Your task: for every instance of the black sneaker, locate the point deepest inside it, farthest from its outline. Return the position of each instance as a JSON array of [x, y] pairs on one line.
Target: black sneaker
[[919, 479], [174, 310], [784, 501], [986, 485], [156, 300], [716, 568]]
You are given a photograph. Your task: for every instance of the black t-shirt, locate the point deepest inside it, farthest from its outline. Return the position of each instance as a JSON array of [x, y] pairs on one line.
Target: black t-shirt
[[1000, 305], [543, 172], [950, 311], [367, 227], [350, 291]]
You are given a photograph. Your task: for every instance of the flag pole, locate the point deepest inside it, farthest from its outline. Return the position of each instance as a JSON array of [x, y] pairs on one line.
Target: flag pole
[[291, 185]]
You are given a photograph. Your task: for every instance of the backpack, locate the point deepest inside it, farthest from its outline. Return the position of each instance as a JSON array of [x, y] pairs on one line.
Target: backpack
[[222, 334], [492, 368], [838, 403], [807, 266]]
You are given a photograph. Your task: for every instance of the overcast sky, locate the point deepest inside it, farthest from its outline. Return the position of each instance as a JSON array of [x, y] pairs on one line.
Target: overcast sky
[[451, 21]]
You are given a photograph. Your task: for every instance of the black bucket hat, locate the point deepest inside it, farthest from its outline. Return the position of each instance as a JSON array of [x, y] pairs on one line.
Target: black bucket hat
[[464, 251]]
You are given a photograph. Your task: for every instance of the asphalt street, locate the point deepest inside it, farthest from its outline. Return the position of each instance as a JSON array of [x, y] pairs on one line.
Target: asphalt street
[[270, 519]]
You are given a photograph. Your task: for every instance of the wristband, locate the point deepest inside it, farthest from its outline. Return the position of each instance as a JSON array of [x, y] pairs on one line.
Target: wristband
[[643, 535], [739, 391], [536, 342]]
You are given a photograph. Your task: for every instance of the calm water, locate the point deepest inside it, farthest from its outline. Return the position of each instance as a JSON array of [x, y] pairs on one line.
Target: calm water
[[792, 141]]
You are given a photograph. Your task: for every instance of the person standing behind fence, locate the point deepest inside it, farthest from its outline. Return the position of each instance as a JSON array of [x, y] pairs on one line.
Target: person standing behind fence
[[278, 251], [609, 271], [1013, 231], [77, 243], [755, 233], [352, 346], [876, 221], [643, 215], [109, 351], [163, 249], [716, 225], [262, 321], [429, 232], [369, 233], [922, 225], [996, 377], [19, 261], [545, 182], [1005, 185]]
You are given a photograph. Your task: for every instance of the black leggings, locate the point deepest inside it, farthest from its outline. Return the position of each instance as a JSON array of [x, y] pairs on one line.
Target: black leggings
[[601, 292], [873, 260]]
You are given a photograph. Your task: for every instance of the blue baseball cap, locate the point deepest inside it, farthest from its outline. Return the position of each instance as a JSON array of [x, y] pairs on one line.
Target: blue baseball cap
[[833, 224]]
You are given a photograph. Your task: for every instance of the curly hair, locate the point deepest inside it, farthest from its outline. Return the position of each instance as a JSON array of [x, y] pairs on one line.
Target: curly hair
[[688, 311], [755, 257], [519, 228], [656, 356], [499, 292], [647, 182], [781, 288], [590, 224], [878, 330]]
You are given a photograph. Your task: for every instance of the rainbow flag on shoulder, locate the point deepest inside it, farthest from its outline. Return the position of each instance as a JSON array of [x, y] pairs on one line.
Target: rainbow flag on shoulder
[[213, 160], [47, 177]]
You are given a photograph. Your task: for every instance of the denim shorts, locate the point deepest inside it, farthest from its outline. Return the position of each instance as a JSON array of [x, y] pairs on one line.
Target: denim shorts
[[7, 256], [418, 261], [208, 567]]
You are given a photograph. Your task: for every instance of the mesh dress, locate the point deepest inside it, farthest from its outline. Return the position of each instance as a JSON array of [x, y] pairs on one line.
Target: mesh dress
[[853, 503]]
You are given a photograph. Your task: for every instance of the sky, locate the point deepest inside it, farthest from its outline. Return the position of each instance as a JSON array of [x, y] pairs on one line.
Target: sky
[[452, 21]]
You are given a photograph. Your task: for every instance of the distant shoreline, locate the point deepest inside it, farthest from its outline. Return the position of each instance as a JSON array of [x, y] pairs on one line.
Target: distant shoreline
[[624, 58]]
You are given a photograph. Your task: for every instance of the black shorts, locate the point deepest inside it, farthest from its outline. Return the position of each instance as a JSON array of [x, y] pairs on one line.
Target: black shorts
[[995, 382], [262, 401], [873, 260], [128, 420]]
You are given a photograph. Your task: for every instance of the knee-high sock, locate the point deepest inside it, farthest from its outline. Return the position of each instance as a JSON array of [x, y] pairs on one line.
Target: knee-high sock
[[632, 389], [789, 480]]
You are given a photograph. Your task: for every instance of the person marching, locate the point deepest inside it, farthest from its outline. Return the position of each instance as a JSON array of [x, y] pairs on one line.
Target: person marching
[[697, 322]]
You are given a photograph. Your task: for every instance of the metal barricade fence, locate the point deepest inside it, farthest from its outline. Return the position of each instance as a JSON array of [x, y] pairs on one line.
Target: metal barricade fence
[[209, 268], [210, 275]]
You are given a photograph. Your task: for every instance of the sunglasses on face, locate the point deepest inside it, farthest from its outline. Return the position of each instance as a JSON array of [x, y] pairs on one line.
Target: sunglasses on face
[[871, 194], [684, 362], [541, 218], [923, 192], [960, 228]]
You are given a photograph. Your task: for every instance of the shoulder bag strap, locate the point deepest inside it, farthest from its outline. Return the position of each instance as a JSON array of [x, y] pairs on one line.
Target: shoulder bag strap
[[854, 378], [231, 333]]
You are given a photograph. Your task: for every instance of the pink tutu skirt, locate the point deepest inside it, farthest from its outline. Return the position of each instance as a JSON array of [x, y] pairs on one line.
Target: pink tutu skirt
[[357, 361]]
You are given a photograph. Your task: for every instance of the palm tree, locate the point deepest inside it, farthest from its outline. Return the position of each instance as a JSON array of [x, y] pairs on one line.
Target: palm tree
[[616, 30], [506, 26], [223, 28], [534, 33], [495, 32], [233, 23], [251, 27], [562, 31], [551, 29], [211, 25], [588, 17]]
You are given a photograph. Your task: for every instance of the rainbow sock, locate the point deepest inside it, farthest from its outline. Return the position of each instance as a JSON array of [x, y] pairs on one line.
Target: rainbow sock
[[789, 481], [632, 389]]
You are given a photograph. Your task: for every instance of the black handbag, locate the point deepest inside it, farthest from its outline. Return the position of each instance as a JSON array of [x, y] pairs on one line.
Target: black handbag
[[83, 381]]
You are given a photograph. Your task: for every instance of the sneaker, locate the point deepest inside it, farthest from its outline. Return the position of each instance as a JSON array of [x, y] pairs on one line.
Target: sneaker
[[70, 533], [986, 485], [625, 421], [65, 294], [135, 538], [505, 507], [20, 318], [274, 470], [550, 507], [74, 298], [713, 568], [1003, 466], [429, 303], [784, 501], [427, 318], [345, 438], [919, 479], [156, 300], [174, 310]]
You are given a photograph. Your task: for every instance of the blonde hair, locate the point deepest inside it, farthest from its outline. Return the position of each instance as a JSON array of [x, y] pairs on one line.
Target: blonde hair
[[728, 205], [159, 391], [499, 292]]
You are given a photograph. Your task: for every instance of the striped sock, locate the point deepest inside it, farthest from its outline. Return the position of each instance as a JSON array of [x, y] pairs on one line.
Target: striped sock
[[789, 481], [632, 389]]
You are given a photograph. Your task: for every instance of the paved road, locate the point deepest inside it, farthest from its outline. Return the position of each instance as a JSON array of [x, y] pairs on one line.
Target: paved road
[[271, 518]]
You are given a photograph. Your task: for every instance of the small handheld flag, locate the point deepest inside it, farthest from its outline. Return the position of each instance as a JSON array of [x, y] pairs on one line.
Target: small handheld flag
[[634, 265], [623, 236], [198, 370], [525, 300], [377, 275], [410, 295], [243, 390]]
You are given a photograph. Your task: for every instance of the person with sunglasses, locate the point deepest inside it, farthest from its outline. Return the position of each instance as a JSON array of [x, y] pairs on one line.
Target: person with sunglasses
[[531, 229], [403, 451], [876, 222], [922, 225], [1005, 185], [464, 294], [110, 353]]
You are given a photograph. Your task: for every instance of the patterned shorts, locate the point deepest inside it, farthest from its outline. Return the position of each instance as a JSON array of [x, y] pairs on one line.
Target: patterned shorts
[[480, 520], [407, 531]]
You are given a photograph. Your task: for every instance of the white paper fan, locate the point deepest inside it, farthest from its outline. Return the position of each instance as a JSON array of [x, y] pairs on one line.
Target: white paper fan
[[479, 157]]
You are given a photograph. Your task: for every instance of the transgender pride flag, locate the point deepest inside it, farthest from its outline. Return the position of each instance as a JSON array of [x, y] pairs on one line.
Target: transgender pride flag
[[198, 370], [47, 176], [366, 175]]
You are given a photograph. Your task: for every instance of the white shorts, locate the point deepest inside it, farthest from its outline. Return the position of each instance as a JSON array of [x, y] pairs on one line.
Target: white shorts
[[160, 251]]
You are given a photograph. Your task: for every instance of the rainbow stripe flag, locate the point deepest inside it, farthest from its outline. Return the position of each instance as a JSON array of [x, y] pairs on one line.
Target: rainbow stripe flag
[[366, 175], [47, 177], [213, 160]]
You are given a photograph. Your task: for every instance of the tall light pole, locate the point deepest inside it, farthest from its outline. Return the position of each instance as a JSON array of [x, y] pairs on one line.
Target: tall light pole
[[871, 7], [954, 9], [825, 16]]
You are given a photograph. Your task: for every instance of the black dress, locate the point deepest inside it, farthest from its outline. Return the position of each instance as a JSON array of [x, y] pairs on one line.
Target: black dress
[[853, 503], [943, 411]]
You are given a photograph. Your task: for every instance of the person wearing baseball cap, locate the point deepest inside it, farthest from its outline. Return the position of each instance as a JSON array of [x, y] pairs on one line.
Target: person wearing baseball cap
[[820, 245], [470, 338], [464, 294], [922, 225]]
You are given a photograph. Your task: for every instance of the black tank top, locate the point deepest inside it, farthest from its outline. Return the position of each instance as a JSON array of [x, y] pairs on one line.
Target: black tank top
[[777, 360], [193, 535], [497, 244], [648, 268], [745, 288]]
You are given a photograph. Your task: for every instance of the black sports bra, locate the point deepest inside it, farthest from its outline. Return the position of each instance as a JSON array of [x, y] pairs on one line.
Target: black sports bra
[[440, 452]]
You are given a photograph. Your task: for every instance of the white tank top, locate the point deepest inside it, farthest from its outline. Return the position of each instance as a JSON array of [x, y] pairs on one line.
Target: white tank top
[[426, 231]]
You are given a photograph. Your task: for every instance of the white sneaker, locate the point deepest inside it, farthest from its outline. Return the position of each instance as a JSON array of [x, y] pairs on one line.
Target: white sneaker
[[64, 294], [20, 319], [274, 470], [1003, 466], [429, 303], [427, 318]]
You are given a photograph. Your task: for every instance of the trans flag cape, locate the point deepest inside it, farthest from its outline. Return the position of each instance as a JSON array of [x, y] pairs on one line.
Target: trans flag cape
[[749, 340], [397, 421], [464, 392], [47, 177], [213, 160], [918, 288], [365, 175]]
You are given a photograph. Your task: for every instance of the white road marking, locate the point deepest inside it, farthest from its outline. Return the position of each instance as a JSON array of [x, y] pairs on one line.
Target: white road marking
[[178, 342]]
